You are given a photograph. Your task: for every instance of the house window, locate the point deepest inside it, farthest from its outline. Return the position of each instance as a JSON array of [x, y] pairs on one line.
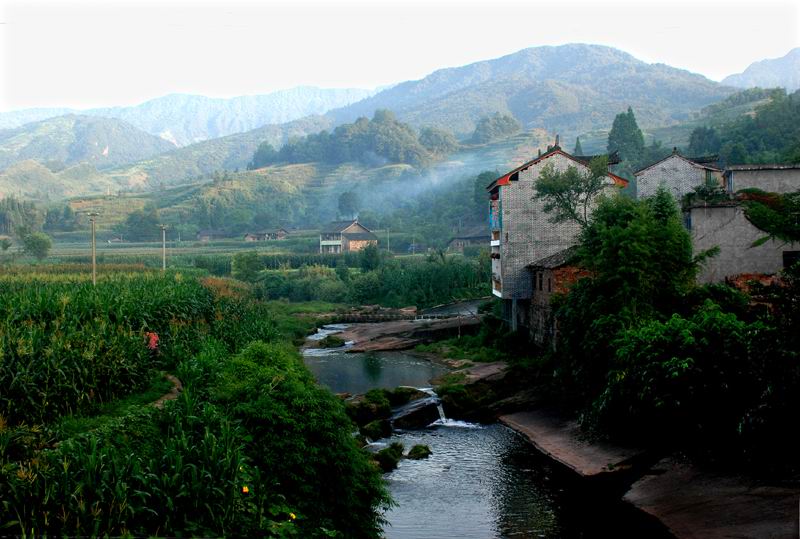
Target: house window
[[709, 177], [687, 220], [549, 285], [541, 280], [506, 237], [790, 258]]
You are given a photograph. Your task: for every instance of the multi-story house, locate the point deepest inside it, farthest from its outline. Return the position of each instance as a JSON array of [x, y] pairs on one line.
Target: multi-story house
[[681, 175], [522, 232], [345, 236]]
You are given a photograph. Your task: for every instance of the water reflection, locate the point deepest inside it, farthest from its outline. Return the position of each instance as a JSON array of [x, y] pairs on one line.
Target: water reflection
[[372, 367]]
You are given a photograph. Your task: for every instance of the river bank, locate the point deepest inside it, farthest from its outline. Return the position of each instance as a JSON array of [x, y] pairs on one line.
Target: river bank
[[668, 497]]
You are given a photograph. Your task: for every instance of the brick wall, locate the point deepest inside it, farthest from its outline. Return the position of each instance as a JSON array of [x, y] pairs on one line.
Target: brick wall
[[676, 173], [773, 181], [728, 228], [528, 235]]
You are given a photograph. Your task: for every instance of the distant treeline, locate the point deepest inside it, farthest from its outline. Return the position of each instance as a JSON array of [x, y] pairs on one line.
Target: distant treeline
[[771, 135], [383, 139]]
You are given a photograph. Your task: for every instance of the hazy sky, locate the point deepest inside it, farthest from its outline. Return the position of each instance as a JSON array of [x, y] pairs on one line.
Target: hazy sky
[[116, 52]]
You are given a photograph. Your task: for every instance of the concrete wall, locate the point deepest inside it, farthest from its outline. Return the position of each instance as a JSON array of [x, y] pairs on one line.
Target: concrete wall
[[728, 228], [676, 173], [773, 181]]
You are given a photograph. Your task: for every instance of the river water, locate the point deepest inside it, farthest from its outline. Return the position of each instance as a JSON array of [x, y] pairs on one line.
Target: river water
[[481, 481]]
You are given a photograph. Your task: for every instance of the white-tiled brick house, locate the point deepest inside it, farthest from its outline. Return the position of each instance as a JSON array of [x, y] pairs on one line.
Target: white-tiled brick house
[[521, 231], [681, 175]]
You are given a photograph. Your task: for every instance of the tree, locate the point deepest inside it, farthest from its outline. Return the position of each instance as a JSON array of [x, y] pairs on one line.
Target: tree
[[369, 258], [438, 141], [349, 204], [479, 196], [5, 243], [141, 225], [265, 155], [36, 244], [495, 127], [626, 138], [704, 140], [578, 150], [245, 266], [569, 195]]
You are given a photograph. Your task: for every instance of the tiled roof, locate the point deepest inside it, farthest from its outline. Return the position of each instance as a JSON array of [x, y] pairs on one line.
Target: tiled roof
[[769, 166], [561, 258], [700, 162], [337, 226], [582, 159]]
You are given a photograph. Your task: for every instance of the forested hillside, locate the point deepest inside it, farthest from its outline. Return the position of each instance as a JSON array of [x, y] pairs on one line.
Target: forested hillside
[[67, 140], [567, 89]]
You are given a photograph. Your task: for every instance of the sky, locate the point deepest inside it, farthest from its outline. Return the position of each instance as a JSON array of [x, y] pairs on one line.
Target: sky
[[84, 54]]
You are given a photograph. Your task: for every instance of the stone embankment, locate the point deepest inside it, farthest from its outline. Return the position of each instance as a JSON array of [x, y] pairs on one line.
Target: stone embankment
[[690, 503]]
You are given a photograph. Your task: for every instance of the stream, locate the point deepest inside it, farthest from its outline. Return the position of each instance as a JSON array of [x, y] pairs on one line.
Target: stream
[[480, 481]]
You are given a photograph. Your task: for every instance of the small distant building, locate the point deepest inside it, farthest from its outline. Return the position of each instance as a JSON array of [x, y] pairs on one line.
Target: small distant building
[[774, 178], [345, 237], [681, 175], [725, 225], [550, 275], [477, 235], [209, 235], [267, 235]]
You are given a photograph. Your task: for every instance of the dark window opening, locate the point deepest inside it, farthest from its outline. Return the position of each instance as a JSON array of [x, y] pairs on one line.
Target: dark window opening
[[549, 286], [541, 279], [790, 258]]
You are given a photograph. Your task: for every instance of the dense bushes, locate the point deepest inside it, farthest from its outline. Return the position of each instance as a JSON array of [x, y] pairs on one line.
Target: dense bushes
[[645, 355], [394, 282]]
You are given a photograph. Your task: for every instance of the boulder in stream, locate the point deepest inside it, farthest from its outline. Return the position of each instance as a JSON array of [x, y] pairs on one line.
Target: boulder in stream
[[419, 452], [417, 414]]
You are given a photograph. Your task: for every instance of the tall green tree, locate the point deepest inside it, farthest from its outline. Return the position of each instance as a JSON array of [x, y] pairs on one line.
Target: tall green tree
[[626, 138], [578, 150], [704, 140]]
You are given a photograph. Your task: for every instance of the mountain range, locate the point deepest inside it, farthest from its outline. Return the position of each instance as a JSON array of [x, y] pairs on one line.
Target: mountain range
[[569, 89], [781, 72], [184, 119]]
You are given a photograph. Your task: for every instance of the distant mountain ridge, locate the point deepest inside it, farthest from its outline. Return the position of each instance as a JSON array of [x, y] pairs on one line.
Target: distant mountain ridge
[[185, 119], [72, 139], [567, 88], [783, 72]]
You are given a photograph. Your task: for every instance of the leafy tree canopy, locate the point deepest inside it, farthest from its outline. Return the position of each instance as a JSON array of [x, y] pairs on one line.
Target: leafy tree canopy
[[495, 127], [36, 244], [383, 139], [569, 195]]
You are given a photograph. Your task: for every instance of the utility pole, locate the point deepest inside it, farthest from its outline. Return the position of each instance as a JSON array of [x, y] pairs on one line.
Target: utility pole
[[163, 247], [92, 218]]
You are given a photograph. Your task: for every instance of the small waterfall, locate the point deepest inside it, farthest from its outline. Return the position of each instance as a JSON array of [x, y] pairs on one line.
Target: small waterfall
[[443, 421]]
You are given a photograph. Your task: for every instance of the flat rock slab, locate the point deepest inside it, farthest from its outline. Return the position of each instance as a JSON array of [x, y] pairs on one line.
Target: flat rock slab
[[698, 504], [484, 371], [562, 441], [400, 334]]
